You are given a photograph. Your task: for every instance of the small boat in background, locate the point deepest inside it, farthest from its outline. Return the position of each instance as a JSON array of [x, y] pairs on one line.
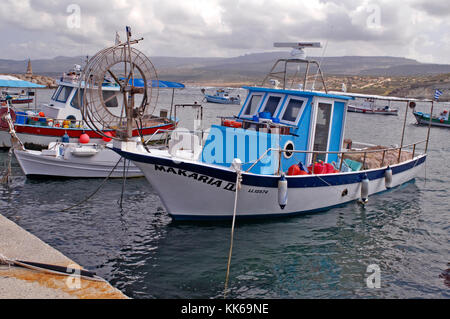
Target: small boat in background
[[17, 99], [424, 119], [368, 107], [223, 97]]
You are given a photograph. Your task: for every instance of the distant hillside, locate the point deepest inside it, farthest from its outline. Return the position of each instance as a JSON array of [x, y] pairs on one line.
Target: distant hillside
[[364, 74], [250, 66]]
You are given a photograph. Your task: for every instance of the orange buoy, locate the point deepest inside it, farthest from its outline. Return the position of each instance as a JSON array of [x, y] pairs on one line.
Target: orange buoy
[[84, 138], [41, 114], [107, 139]]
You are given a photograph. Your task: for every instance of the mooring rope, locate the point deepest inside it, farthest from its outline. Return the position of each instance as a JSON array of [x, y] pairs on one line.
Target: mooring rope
[[51, 269], [125, 173], [95, 192], [7, 175], [238, 187]]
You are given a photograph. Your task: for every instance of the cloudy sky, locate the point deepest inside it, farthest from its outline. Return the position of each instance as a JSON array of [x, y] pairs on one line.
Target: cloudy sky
[[415, 29]]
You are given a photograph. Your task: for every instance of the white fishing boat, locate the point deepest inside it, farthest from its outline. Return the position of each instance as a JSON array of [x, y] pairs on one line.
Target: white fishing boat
[[368, 106], [283, 154], [223, 97], [75, 160]]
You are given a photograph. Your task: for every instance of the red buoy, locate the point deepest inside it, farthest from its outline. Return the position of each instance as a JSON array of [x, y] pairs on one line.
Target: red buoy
[[107, 139], [41, 114], [84, 138], [294, 170]]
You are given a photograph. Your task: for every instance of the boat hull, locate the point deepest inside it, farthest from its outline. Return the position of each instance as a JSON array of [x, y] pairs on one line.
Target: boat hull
[[221, 100], [20, 101], [195, 191], [38, 137], [370, 111], [100, 165]]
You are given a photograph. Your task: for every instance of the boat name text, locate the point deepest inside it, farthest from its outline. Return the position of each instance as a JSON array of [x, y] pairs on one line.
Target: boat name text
[[198, 177]]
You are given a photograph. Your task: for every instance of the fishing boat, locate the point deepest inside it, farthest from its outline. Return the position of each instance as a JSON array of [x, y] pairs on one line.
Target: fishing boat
[[283, 154], [75, 160], [223, 97], [424, 119], [368, 107], [16, 99], [62, 115]]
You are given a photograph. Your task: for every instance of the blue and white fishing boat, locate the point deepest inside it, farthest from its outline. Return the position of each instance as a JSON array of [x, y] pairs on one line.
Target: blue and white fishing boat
[[283, 154], [223, 97]]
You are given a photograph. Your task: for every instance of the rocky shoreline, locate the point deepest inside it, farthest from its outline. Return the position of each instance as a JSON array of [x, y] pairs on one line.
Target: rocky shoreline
[[38, 79]]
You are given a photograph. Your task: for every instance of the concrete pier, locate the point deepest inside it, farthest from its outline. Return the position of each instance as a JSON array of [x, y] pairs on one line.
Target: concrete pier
[[16, 282]]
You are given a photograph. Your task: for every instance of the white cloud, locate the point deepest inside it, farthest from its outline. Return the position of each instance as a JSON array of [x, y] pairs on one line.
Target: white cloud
[[415, 28]]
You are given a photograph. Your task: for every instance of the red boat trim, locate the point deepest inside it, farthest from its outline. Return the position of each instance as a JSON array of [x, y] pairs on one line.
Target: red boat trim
[[76, 132]]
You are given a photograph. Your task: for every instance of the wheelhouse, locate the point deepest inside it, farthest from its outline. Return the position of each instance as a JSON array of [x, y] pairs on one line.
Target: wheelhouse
[[273, 118]]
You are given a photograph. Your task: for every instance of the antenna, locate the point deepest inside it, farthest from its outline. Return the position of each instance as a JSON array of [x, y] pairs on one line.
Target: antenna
[[297, 47]]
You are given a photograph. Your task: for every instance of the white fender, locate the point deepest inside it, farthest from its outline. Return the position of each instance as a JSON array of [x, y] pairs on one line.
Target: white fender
[[282, 191], [365, 189], [388, 177]]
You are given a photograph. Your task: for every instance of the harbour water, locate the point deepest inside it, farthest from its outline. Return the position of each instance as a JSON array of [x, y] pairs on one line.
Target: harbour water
[[142, 252]]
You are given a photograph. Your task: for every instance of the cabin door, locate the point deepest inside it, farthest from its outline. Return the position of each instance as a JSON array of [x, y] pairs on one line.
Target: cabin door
[[322, 129]]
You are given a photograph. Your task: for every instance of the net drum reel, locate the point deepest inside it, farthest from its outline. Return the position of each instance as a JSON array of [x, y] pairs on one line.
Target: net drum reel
[[118, 91]]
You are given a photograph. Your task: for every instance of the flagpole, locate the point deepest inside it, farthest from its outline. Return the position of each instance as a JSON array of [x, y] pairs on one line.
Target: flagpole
[[429, 125]]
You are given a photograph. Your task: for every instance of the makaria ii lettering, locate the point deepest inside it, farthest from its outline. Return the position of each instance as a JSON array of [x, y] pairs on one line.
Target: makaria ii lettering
[[229, 186]]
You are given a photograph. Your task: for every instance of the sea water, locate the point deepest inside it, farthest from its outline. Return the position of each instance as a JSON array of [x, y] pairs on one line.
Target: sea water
[[398, 242]]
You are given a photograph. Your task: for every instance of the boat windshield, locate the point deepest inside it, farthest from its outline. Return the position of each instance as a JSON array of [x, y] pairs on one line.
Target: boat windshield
[[63, 94], [272, 104], [253, 104], [292, 110], [74, 102]]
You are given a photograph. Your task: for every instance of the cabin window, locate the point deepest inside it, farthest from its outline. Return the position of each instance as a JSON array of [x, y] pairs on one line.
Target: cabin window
[[55, 94], [74, 102], [110, 98], [322, 129], [64, 94], [292, 110], [272, 104], [253, 104]]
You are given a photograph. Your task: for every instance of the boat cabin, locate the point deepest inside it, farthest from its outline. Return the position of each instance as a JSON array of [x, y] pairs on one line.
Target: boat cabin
[[272, 118]]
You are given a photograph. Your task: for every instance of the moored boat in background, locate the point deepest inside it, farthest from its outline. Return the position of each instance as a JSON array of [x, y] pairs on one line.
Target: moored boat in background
[[62, 115], [424, 119], [223, 97]]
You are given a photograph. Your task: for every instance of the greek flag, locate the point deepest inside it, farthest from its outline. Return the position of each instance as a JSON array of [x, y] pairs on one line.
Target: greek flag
[[437, 94]]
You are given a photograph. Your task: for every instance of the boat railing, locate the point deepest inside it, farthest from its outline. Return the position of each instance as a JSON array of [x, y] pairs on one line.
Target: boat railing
[[167, 134], [282, 75], [342, 154]]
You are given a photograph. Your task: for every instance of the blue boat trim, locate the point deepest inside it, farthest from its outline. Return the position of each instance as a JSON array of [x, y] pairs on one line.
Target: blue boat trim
[[271, 181]]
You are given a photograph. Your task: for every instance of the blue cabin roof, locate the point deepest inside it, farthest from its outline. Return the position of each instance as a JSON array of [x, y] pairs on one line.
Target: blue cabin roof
[[279, 119]]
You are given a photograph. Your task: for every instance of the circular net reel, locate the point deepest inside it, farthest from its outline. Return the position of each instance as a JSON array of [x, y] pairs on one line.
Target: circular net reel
[[118, 91]]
